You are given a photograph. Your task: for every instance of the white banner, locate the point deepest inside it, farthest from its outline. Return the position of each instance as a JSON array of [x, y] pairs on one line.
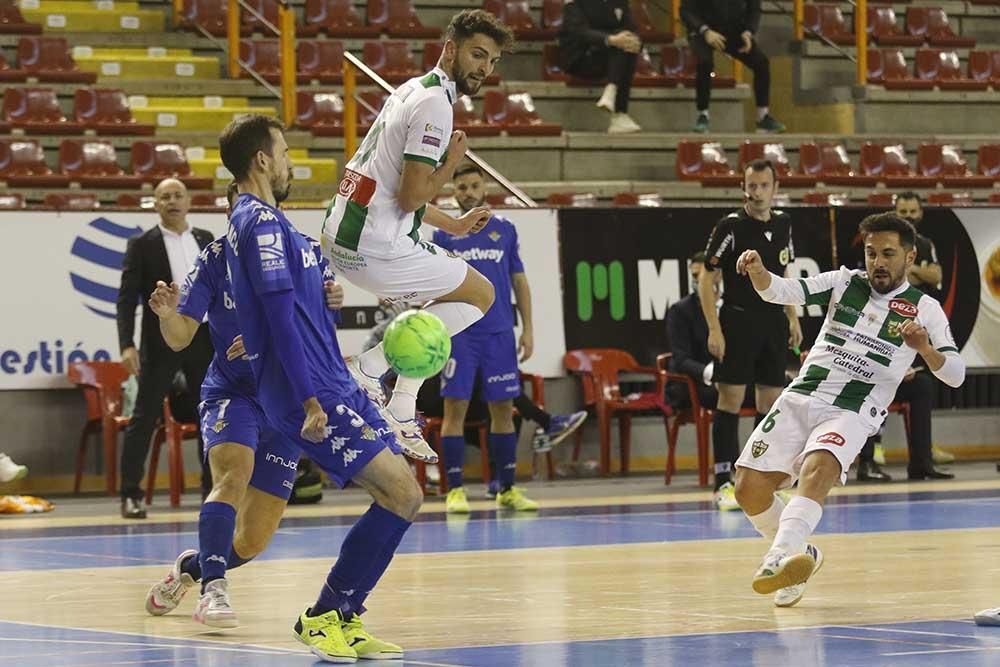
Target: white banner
[[63, 311]]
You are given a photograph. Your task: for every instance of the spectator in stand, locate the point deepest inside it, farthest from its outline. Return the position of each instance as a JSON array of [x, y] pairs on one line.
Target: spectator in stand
[[729, 26], [598, 41]]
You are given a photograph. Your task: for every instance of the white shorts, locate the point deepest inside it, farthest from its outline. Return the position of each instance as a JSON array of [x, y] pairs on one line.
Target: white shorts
[[419, 273], [798, 425]]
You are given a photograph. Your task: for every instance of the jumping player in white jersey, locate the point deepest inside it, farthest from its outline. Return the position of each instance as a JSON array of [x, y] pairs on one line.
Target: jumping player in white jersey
[[875, 324], [371, 233]]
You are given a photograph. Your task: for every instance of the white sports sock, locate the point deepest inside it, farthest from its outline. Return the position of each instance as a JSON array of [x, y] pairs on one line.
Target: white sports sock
[[703, 112], [767, 521], [455, 314], [798, 522], [373, 363], [761, 112], [403, 404]]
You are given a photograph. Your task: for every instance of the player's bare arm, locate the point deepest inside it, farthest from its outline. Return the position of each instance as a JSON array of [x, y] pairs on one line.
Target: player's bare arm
[[522, 295], [469, 223], [706, 296], [420, 182], [178, 330]]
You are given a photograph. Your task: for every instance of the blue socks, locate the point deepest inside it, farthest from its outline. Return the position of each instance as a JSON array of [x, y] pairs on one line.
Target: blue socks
[[192, 565], [216, 526], [505, 454], [454, 458], [365, 554]]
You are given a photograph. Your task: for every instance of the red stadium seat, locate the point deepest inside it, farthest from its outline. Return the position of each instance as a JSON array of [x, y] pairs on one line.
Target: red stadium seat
[[321, 113], [49, 59], [250, 24], [994, 198], [135, 200], [552, 17], [888, 67], [432, 53], [885, 29], [981, 66], [36, 110], [646, 73], [649, 33], [153, 161], [881, 198], [263, 56], [208, 201], [988, 161], [211, 15], [93, 164], [931, 24], [12, 22], [754, 150], [572, 199], [10, 201], [517, 15], [391, 60], [473, 124], [827, 162], [697, 159], [950, 199], [887, 163], [516, 113], [947, 163], [335, 18], [635, 199], [826, 199], [71, 201], [106, 111], [22, 164], [320, 61], [9, 74], [945, 70], [828, 21], [679, 65], [399, 19]]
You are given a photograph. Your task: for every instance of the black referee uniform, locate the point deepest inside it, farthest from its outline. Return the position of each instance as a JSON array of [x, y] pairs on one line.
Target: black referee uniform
[[756, 332]]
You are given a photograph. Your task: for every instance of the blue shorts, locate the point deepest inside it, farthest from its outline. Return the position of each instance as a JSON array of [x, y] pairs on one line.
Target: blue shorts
[[490, 357], [239, 419], [356, 433]]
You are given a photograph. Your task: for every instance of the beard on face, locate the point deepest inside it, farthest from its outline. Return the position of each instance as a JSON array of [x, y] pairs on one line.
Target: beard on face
[[469, 203], [281, 194], [883, 277], [466, 85]]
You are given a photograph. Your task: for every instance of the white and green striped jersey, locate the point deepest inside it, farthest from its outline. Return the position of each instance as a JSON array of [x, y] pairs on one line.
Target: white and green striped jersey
[[859, 357], [414, 124]]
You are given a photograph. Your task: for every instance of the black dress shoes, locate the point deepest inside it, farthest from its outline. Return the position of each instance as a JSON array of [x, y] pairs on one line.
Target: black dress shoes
[[869, 471], [132, 509], [929, 474]]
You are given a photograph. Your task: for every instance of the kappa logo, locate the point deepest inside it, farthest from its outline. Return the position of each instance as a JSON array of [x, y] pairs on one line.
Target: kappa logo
[[903, 307], [337, 444], [831, 438], [217, 558], [350, 455], [758, 447]]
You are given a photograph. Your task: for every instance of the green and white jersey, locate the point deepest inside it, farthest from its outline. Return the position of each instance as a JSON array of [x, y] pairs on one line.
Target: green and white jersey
[[859, 357], [364, 217]]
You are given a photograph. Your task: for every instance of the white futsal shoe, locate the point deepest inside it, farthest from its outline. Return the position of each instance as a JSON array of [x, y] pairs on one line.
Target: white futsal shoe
[[410, 438], [370, 385], [780, 569], [988, 617], [167, 593], [213, 607], [791, 595]]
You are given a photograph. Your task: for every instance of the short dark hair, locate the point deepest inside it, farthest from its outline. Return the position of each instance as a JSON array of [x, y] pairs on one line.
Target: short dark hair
[[910, 195], [469, 22], [468, 168], [698, 257], [890, 222], [242, 138], [762, 165]]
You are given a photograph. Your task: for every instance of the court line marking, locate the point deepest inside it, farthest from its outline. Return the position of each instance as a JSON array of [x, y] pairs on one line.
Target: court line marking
[[152, 647], [969, 649], [880, 640], [907, 632]]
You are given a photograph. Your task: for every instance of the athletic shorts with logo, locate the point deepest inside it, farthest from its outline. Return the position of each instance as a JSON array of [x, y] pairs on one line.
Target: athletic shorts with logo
[[490, 358], [756, 346], [417, 272], [239, 419], [355, 434], [799, 425]]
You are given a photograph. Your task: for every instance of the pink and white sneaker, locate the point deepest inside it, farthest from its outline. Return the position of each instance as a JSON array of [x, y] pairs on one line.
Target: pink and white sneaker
[[213, 607], [167, 593]]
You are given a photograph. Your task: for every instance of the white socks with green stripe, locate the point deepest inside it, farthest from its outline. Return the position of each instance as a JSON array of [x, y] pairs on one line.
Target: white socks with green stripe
[[798, 521], [767, 521]]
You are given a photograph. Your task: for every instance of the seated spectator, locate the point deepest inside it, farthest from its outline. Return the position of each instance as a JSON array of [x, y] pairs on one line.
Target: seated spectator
[[687, 333], [598, 41], [729, 26]]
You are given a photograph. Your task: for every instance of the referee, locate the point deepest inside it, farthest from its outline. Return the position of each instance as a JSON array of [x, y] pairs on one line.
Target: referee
[[748, 336]]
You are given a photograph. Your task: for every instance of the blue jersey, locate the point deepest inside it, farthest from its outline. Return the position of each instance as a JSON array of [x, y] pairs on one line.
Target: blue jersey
[[493, 251], [268, 259]]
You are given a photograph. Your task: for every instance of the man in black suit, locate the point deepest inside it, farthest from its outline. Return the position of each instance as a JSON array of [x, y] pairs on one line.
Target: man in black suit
[[165, 252], [687, 333]]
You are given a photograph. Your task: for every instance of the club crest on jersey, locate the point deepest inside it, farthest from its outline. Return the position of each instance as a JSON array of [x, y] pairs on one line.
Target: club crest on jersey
[[831, 438], [783, 256], [758, 447], [368, 433], [903, 307], [220, 425], [494, 236]]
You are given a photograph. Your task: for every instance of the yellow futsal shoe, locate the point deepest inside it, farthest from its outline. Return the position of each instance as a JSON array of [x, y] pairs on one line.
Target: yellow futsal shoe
[[725, 498], [941, 457], [367, 646], [457, 503], [324, 635], [514, 499]]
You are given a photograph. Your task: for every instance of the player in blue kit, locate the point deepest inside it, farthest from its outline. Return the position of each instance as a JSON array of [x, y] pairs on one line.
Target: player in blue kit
[[486, 351], [305, 388], [253, 466]]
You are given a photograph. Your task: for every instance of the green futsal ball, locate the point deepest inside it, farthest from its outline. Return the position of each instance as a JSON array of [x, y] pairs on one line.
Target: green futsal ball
[[417, 344]]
